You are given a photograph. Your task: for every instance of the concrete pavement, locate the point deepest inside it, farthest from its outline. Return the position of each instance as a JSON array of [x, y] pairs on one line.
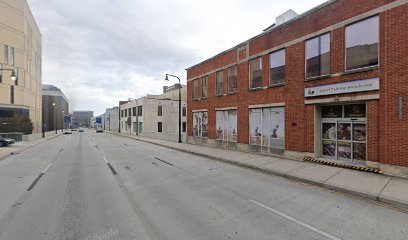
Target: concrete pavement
[[386, 189]]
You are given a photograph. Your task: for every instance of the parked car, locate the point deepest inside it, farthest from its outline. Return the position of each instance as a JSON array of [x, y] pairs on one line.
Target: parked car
[[99, 130], [6, 141], [80, 130], [68, 131]]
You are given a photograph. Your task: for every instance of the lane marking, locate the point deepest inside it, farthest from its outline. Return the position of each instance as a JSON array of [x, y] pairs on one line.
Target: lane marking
[[35, 182], [323, 233], [163, 161], [112, 169], [46, 168], [105, 159]]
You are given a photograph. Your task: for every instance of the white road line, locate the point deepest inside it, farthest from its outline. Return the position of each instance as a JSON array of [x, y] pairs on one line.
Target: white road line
[[46, 169], [106, 160], [296, 221]]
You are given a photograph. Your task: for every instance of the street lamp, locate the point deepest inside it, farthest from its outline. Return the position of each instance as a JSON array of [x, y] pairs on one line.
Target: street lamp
[[167, 79], [13, 75], [63, 121], [55, 117]]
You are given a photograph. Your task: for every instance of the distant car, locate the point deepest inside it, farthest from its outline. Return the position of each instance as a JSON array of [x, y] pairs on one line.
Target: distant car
[[99, 130], [73, 129], [80, 130], [68, 131], [6, 141]]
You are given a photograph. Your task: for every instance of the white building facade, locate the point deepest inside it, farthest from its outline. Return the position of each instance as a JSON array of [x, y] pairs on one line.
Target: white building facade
[[110, 119], [155, 116]]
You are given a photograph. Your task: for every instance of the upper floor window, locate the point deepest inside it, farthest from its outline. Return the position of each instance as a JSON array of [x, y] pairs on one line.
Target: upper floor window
[[204, 87], [125, 112], [277, 67], [232, 79], [134, 111], [255, 73], [159, 110], [6, 57], [195, 89], [139, 110], [184, 111], [362, 40], [318, 56], [12, 59], [219, 79]]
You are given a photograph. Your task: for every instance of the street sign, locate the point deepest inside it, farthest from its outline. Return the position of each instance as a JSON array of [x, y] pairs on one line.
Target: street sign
[[67, 119], [98, 120]]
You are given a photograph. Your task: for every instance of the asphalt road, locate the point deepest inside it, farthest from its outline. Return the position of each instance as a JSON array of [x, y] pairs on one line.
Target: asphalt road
[[101, 186]]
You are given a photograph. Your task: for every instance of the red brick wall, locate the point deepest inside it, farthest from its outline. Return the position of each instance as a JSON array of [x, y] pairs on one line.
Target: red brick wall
[[387, 135]]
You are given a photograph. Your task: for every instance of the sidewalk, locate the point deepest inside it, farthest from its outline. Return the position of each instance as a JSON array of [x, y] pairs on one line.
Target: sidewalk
[[387, 189], [19, 147]]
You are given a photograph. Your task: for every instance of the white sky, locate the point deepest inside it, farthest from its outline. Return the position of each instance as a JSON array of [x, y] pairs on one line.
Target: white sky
[[102, 51]]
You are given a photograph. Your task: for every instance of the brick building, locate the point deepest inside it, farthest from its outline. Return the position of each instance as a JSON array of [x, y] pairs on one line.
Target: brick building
[[331, 83]]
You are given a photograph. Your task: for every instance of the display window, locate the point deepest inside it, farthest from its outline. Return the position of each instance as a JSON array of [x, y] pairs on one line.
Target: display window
[[226, 124], [267, 127]]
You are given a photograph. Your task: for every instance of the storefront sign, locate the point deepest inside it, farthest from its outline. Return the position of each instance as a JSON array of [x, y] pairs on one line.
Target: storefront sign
[[346, 87]]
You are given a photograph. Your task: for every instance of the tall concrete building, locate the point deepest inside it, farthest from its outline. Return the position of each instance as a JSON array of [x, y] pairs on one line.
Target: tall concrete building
[[20, 52], [110, 119], [55, 106], [82, 119]]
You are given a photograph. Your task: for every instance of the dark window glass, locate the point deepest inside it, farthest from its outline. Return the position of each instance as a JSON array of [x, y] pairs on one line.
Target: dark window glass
[[355, 111], [184, 126], [255, 73], [6, 54], [1, 73], [134, 111], [195, 89], [139, 110], [277, 67], [121, 113], [159, 126], [184, 111], [318, 56], [204, 87], [362, 44], [219, 78], [130, 112], [334, 111], [159, 111], [232, 79]]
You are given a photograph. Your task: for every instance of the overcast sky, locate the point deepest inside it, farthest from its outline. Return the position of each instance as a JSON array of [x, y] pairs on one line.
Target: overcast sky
[[102, 51]]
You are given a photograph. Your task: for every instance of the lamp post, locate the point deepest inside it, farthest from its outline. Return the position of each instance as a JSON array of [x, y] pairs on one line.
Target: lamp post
[[13, 75], [63, 124], [55, 117], [167, 79]]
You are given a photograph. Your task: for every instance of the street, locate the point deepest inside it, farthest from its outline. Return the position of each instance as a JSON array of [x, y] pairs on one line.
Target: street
[[101, 186]]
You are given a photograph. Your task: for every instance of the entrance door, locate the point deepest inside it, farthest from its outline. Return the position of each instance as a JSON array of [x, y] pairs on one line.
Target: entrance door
[[344, 140]]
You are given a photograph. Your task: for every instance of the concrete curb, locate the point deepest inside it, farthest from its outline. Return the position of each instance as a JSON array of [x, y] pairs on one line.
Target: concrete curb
[[328, 186], [2, 157]]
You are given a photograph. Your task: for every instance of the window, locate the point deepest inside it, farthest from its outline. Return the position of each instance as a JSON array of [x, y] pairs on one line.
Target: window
[[232, 79], [139, 110], [318, 56], [159, 110], [184, 127], [219, 79], [277, 67], [226, 125], [362, 44], [134, 111], [16, 82], [12, 94], [267, 127], [195, 89], [255, 73], [125, 112], [121, 113], [184, 111], [159, 127], [6, 54], [204, 87], [200, 124], [130, 112], [1, 73], [12, 56]]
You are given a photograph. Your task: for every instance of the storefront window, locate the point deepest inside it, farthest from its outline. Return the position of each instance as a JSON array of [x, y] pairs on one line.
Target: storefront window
[[335, 111], [226, 123], [267, 127], [200, 124], [355, 111]]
